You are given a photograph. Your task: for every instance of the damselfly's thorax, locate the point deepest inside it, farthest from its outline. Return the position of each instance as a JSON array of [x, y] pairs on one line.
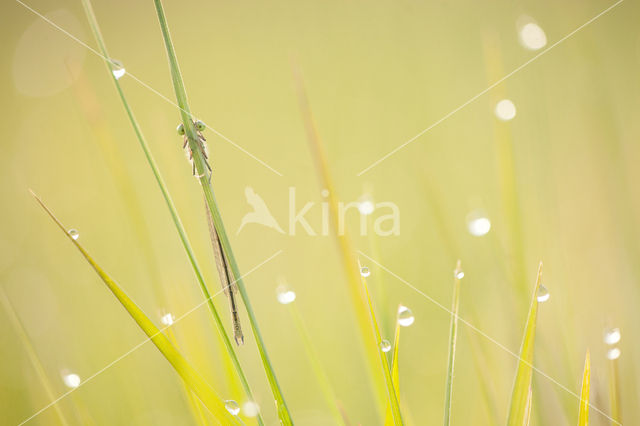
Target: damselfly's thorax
[[200, 142]]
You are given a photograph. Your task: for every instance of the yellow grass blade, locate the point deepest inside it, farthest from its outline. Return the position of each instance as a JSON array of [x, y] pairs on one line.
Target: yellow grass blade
[[189, 375], [583, 416], [395, 376], [391, 390], [453, 337], [519, 408]]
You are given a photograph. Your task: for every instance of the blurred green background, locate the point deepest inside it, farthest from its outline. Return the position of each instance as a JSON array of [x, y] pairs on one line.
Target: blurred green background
[[558, 183]]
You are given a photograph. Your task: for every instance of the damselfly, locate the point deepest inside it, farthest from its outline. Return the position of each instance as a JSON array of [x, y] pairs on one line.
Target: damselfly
[[222, 263]]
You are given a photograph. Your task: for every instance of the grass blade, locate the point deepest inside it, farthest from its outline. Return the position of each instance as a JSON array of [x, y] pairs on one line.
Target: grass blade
[[34, 359], [519, 409], [201, 166], [453, 336], [93, 23], [395, 375], [391, 390], [583, 413], [188, 374], [349, 260], [316, 365]]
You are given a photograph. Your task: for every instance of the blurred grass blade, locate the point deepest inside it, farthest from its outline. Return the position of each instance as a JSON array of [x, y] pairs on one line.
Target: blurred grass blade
[[521, 387], [31, 353], [188, 374], [318, 370], [93, 23], [391, 390], [453, 336], [583, 415], [614, 391], [202, 168], [349, 260], [527, 412], [395, 376]]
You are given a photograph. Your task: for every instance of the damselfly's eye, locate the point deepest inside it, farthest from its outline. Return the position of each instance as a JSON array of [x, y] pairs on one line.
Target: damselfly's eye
[[180, 129], [200, 125]]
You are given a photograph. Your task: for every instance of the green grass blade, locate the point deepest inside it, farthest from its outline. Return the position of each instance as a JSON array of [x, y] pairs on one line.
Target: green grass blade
[[453, 336], [583, 413], [188, 374], [34, 359], [395, 375], [391, 390], [93, 23], [205, 181], [518, 409], [316, 365]]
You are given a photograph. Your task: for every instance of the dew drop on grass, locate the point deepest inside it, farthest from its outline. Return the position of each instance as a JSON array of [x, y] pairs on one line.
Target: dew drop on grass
[[505, 110], [232, 407], [365, 272], [167, 319], [366, 207], [74, 233], [405, 316], [612, 336], [250, 409], [543, 294], [285, 295], [458, 273], [613, 353], [385, 345], [117, 69], [532, 37], [478, 224], [71, 380]]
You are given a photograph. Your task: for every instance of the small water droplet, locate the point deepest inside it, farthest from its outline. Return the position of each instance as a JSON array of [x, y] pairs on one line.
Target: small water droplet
[[232, 407], [505, 110], [250, 409], [458, 273], [200, 125], [612, 336], [531, 36], [543, 294], [385, 345], [365, 272], [167, 319], [285, 295], [405, 316], [366, 206], [478, 224], [74, 233], [180, 129], [613, 353], [71, 380], [117, 69], [324, 193]]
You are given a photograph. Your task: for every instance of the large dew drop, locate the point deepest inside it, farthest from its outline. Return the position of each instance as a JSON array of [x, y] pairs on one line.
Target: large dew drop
[[612, 336], [117, 69], [478, 224], [385, 345], [405, 316], [505, 110], [613, 353], [543, 294], [285, 295], [365, 272], [74, 234], [531, 36], [71, 380], [232, 407]]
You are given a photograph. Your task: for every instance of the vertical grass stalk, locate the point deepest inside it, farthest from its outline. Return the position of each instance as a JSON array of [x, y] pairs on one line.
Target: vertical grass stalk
[[583, 412], [93, 23], [453, 336], [201, 167]]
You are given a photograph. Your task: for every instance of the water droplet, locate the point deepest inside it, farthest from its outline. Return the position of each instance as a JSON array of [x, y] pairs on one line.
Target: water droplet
[[74, 234], [200, 125], [167, 319], [385, 345], [250, 409], [365, 272], [478, 224], [117, 69], [405, 316], [71, 380], [543, 294], [366, 207], [505, 110], [613, 353], [612, 336], [180, 129], [531, 36], [232, 407], [458, 273], [285, 295]]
